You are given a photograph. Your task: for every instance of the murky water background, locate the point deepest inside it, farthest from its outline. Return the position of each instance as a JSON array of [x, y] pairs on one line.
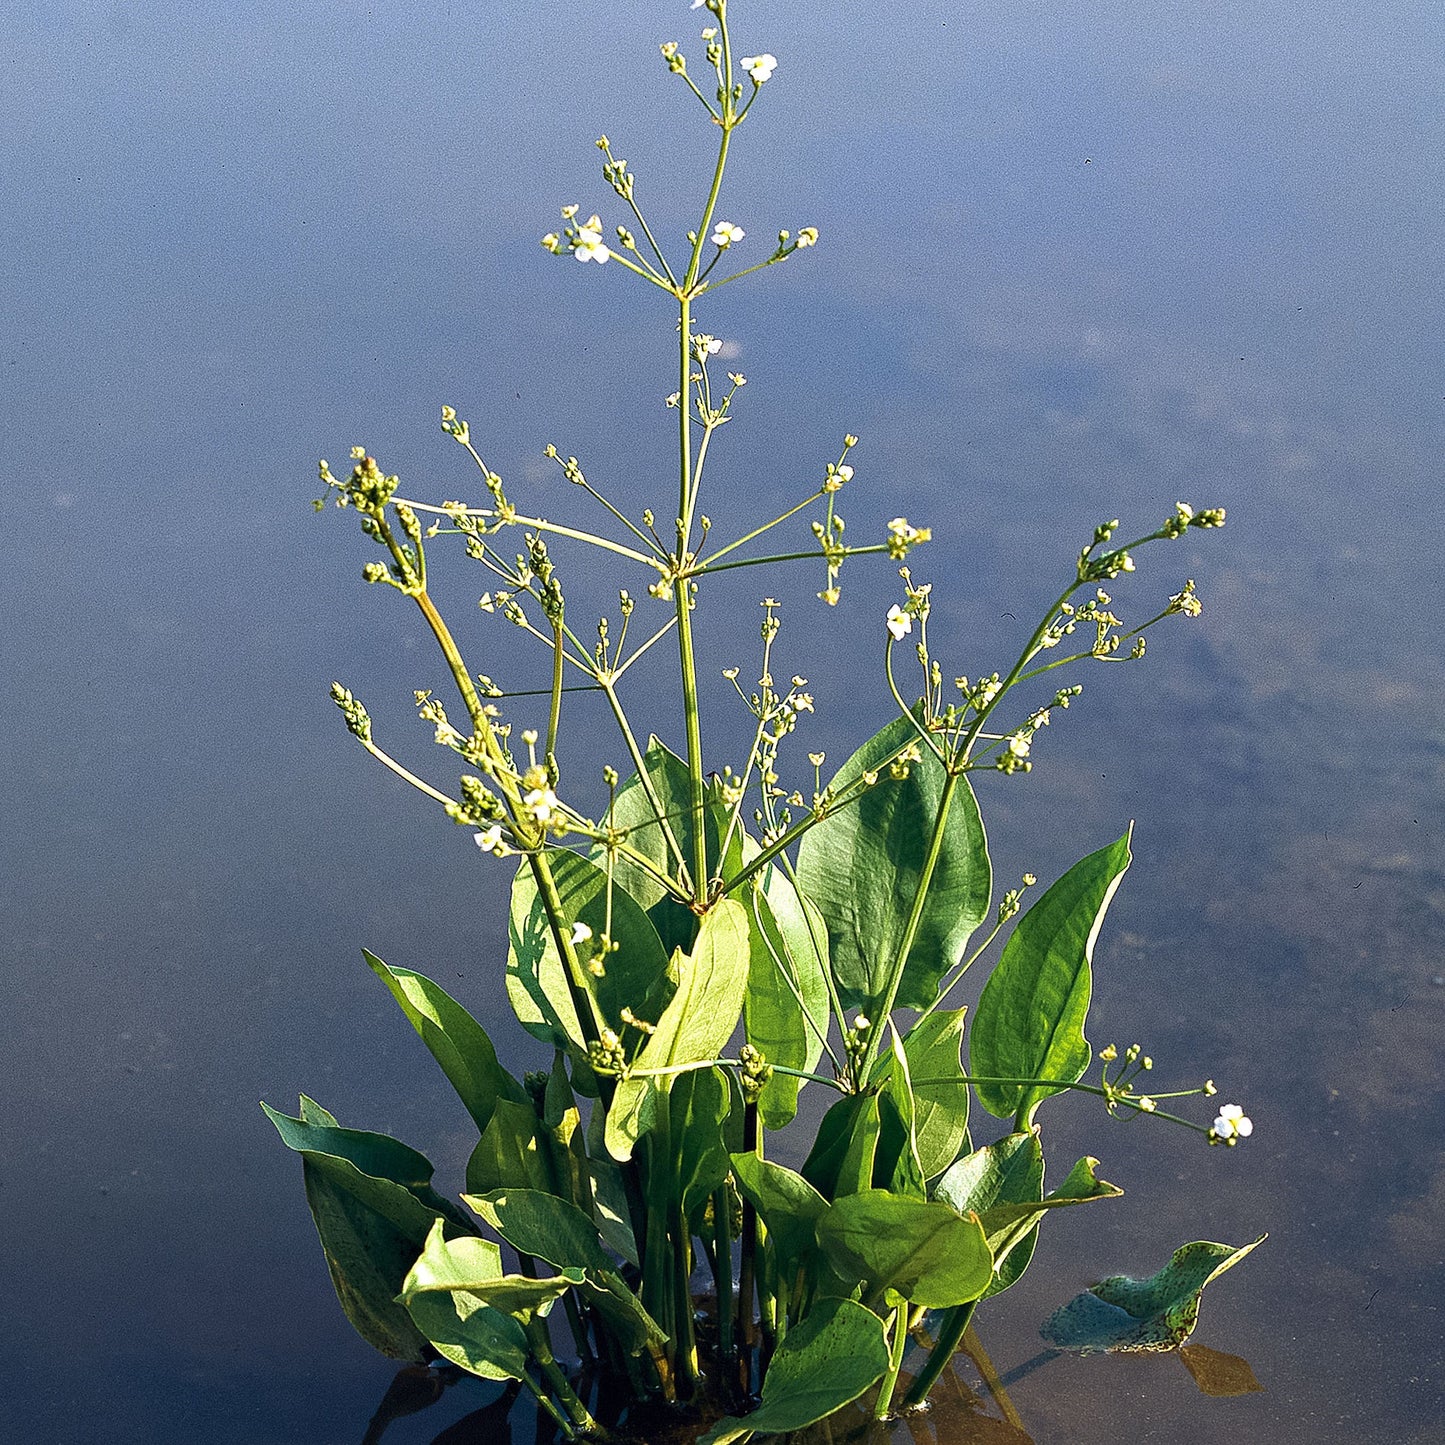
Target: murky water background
[[1077, 262]]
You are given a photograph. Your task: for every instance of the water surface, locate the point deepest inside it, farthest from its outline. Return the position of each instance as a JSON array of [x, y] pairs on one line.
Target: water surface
[[1075, 265]]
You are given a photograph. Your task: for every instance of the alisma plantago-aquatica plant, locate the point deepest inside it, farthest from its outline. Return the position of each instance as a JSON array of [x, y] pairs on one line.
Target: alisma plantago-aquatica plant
[[712, 942]]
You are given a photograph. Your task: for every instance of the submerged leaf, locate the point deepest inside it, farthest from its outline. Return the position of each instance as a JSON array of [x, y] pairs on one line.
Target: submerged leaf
[[1217, 1373], [1158, 1313]]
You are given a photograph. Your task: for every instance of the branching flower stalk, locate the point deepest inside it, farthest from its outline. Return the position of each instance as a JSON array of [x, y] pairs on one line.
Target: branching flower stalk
[[714, 942]]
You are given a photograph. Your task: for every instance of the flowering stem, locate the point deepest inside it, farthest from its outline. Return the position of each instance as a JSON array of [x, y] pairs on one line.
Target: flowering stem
[[554, 711], [907, 711], [645, 778], [540, 524], [710, 567], [767, 526]]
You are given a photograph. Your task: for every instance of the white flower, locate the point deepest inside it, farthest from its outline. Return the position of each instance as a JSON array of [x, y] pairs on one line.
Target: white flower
[[808, 236], [725, 233], [490, 841], [1019, 745], [541, 803], [900, 624], [581, 933], [588, 244], [1232, 1123], [760, 67]]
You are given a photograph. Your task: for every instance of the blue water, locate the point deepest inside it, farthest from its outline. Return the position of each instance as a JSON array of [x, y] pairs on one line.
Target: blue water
[[1077, 262]]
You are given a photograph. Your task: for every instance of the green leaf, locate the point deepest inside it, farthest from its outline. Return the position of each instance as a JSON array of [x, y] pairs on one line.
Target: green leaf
[[541, 1224], [698, 1101], [862, 865], [628, 1323], [459, 1324], [934, 1050], [841, 1159], [698, 1022], [1158, 1313], [633, 812], [536, 980], [473, 1266], [508, 1155], [896, 1166], [371, 1199], [919, 1249], [789, 1206], [1008, 1173], [786, 989], [457, 1041], [471, 1334], [631, 1114], [1030, 1019], [829, 1359]]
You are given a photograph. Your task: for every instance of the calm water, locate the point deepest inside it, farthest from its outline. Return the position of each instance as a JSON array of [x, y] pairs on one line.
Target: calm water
[[1078, 261]]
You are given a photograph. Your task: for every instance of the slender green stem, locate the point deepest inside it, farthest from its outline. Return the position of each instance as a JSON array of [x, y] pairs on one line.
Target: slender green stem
[[554, 712], [748, 270], [907, 711], [624, 519], [694, 742], [404, 774], [897, 1347], [758, 531], [884, 1007], [709, 568], [541, 524], [644, 778]]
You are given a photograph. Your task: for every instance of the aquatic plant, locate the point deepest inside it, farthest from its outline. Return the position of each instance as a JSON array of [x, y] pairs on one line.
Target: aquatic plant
[[711, 942]]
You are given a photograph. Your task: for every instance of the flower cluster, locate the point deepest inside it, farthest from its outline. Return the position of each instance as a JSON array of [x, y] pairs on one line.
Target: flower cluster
[[583, 240]]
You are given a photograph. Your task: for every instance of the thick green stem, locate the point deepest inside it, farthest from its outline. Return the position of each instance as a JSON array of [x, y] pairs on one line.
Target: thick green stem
[[747, 1278], [557, 1382], [722, 1225], [955, 1322]]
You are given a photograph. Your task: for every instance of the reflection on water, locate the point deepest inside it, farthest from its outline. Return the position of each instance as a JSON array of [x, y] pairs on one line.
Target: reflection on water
[[957, 1413]]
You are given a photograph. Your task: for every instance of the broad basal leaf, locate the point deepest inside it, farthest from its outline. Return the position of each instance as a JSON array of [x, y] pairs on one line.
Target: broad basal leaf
[[536, 983], [373, 1204], [1030, 1019], [540, 1224], [835, 1354], [786, 1009], [934, 1050], [862, 864], [921, 1250]]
